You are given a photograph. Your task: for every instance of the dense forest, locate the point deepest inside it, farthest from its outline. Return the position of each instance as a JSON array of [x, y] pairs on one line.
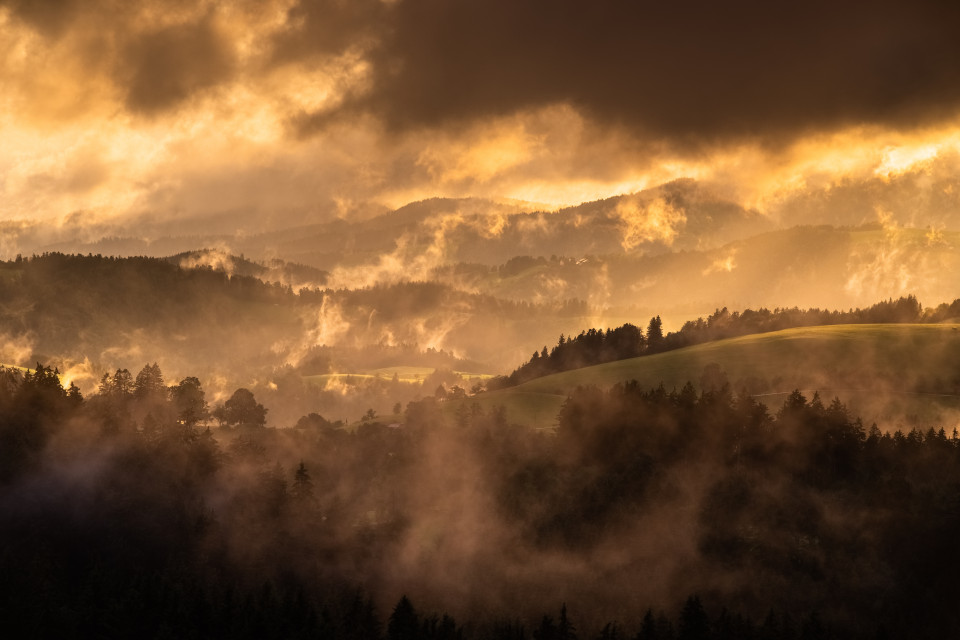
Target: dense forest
[[595, 346], [220, 322], [646, 514]]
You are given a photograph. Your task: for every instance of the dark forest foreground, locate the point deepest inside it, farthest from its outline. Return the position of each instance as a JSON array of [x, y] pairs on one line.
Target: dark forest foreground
[[651, 512]]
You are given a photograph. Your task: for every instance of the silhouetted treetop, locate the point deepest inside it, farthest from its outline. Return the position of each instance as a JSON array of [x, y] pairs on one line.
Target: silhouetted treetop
[[242, 409]]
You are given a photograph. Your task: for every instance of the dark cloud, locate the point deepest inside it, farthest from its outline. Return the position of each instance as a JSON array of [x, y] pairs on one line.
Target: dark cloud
[[687, 71], [324, 27], [162, 68], [160, 51], [49, 17], [694, 71]]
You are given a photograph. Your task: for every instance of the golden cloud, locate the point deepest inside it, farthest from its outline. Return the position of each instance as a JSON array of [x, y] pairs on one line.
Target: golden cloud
[[181, 110]]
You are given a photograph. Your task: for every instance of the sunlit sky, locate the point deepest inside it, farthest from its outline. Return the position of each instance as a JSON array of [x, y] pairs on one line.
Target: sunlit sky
[[299, 111]]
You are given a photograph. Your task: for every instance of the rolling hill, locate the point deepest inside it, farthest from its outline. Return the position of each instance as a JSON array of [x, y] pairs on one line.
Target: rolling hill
[[889, 373]]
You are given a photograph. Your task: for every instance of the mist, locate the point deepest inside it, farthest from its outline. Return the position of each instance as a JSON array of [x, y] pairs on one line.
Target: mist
[[639, 499]]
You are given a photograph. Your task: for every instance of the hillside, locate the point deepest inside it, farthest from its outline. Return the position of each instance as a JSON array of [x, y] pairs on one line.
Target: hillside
[[886, 372], [678, 215], [205, 313], [630, 254]]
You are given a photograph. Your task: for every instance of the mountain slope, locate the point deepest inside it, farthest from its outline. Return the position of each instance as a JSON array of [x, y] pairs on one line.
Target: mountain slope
[[886, 372]]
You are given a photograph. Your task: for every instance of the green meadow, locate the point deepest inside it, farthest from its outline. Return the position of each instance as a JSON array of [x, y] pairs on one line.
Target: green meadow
[[893, 374]]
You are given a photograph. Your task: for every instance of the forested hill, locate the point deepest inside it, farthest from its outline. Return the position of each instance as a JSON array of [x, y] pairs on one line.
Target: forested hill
[[595, 346], [120, 312], [68, 304]]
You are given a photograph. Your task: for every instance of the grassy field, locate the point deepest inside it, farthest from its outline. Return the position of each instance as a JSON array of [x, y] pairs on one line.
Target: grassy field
[[889, 374]]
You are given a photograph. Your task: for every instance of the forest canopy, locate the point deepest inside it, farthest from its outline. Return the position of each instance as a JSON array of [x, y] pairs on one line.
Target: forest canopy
[[754, 523]]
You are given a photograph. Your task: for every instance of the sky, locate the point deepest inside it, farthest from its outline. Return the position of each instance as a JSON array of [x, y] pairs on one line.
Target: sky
[[298, 111]]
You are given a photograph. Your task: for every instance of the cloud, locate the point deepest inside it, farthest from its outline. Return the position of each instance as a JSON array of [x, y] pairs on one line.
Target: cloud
[[915, 183], [725, 264], [691, 72], [50, 17], [218, 259], [164, 67], [318, 28], [82, 373], [16, 350], [286, 112], [655, 221]]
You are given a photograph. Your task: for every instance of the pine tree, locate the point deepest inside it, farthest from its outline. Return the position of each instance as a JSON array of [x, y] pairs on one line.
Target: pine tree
[[149, 385], [565, 628], [404, 623], [694, 623], [648, 628], [655, 340], [302, 485], [610, 631], [360, 621]]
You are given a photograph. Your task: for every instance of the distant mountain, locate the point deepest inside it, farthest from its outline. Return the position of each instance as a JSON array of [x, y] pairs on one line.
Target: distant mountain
[[195, 315], [681, 215], [678, 216]]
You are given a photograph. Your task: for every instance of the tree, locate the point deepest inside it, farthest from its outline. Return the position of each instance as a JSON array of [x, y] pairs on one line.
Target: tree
[[44, 379], [123, 382], [443, 628], [547, 630], [694, 623], [624, 342], [648, 628], [243, 409], [404, 623], [360, 620], [610, 631], [117, 386], [793, 406], [189, 401], [149, 384], [302, 484], [273, 491], [73, 393], [565, 628], [655, 335], [314, 421]]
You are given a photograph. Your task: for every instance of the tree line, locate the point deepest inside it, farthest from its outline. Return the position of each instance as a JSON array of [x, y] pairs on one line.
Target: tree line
[[596, 346]]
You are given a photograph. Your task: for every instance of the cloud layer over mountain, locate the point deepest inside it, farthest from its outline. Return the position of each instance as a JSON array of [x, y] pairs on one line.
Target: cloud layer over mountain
[[290, 111]]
